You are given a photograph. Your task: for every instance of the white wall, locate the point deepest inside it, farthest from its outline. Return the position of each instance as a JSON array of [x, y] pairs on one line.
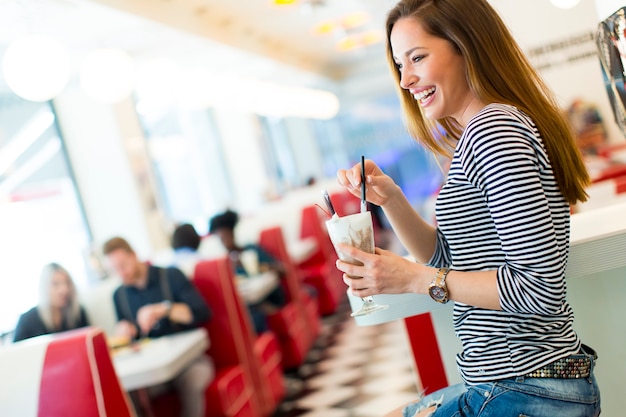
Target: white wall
[[605, 8], [539, 23], [95, 136]]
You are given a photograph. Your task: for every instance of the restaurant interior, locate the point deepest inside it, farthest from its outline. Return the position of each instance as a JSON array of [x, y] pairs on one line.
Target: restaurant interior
[[130, 118]]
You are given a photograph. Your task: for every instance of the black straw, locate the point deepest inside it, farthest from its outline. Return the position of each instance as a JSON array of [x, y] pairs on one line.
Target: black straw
[[329, 203], [363, 200]]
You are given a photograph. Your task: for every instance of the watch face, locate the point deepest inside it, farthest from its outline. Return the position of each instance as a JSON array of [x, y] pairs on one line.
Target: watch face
[[437, 293]]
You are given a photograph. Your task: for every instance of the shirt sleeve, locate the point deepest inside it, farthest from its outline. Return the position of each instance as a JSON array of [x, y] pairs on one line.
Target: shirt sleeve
[[183, 291], [503, 162], [441, 257]]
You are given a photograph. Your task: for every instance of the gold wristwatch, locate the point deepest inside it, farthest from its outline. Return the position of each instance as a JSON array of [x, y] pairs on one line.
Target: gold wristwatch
[[437, 289]]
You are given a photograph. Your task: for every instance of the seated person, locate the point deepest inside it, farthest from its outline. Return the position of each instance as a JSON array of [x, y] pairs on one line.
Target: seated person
[[185, 242], [223, 225], [153, 302], [58, 309]]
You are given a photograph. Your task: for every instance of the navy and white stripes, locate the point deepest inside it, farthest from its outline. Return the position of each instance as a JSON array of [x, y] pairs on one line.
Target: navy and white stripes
[[501, 209]]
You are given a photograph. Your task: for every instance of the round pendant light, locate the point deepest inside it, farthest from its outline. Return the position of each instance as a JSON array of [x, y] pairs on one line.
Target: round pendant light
[[36, 67], [107, 75]]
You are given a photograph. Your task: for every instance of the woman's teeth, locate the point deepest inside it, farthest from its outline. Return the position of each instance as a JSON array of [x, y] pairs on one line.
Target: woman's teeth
[[424, 94]]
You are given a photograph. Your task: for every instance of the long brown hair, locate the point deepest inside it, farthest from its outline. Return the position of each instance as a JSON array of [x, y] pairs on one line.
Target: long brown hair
[[497, 72]]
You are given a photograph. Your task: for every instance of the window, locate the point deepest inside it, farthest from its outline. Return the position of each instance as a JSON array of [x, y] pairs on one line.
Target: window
[[41, 217], [278, 154], [188, 161]]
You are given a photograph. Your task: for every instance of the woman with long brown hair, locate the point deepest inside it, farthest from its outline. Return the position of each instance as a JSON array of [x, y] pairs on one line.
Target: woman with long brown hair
[[499, 249]]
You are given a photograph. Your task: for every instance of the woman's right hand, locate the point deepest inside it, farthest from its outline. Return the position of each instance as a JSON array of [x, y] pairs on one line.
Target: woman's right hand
[[379, 186]]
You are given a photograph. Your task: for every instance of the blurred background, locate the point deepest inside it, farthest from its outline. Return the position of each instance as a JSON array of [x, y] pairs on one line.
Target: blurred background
[[126, 117]]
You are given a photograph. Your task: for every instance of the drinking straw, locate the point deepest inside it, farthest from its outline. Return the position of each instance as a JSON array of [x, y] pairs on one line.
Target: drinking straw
[[363, 201], [329, 203]]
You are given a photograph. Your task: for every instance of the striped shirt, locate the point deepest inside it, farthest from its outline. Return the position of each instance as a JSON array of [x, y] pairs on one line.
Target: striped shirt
[[501, 209]]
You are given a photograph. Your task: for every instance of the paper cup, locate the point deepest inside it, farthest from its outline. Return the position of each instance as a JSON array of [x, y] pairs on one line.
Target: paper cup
[[355, 230]]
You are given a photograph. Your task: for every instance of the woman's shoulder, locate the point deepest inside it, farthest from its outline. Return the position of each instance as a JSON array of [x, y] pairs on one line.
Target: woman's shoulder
[[29, 325], [498, 122], [32, 314], [500, 112]]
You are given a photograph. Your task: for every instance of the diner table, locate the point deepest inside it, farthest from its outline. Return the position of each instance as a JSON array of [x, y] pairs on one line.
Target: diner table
[[155, 361], [302, 249], [256, 287]]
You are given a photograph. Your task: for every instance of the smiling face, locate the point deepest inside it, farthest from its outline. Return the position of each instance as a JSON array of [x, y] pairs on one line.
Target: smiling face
[[433, 71]]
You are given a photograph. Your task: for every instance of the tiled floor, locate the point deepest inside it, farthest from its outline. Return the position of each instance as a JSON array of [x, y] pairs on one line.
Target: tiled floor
[[353, 372]]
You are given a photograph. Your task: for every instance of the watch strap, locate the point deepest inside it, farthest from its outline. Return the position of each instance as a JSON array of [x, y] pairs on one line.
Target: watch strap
[[440, 282]]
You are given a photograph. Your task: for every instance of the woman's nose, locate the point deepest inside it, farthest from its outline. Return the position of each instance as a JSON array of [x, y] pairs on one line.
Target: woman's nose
[[407, 79]]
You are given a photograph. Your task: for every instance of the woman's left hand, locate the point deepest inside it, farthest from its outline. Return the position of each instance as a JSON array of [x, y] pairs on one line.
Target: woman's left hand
[[383, 272]]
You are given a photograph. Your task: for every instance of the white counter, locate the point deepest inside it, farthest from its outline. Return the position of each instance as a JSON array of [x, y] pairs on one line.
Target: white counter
[[596, 290]]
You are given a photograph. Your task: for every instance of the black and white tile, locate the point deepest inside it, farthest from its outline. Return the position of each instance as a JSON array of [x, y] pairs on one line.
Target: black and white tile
[[353, 372]]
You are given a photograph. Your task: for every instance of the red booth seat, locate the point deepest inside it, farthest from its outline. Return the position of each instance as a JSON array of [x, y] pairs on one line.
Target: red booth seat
[[306, 305], [610, 172], [66, 374], [319, 270], [256, 388]]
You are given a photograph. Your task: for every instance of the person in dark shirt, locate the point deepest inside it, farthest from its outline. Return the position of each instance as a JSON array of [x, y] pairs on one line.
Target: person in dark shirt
[[58, 309], [154, 302]]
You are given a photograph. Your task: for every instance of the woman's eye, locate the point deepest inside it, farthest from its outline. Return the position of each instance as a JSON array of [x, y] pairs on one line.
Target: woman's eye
[[398, 66], [417, 58]]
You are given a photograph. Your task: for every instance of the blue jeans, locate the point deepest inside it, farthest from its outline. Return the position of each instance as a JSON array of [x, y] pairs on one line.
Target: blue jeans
[[515, 397]]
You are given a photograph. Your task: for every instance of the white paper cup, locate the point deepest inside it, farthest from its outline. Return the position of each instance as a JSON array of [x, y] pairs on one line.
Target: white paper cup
[[353, 230]]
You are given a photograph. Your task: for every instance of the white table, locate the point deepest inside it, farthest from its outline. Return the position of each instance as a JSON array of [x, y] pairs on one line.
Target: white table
[[302, 249], [255, 288], [159, 360]]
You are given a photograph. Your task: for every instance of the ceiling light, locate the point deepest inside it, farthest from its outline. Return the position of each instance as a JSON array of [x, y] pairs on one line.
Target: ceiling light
[[284, 2], [107, 75], [347, 44], [36, 67], [325, 28], [565, 4], [371, 37], [355, 20]]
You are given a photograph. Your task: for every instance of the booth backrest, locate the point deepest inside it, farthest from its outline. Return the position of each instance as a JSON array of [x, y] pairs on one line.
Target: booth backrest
[[212, 278], [230, 337], [61, 375], [312, 226], [262, 352], [273, 242], [97, 300]]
